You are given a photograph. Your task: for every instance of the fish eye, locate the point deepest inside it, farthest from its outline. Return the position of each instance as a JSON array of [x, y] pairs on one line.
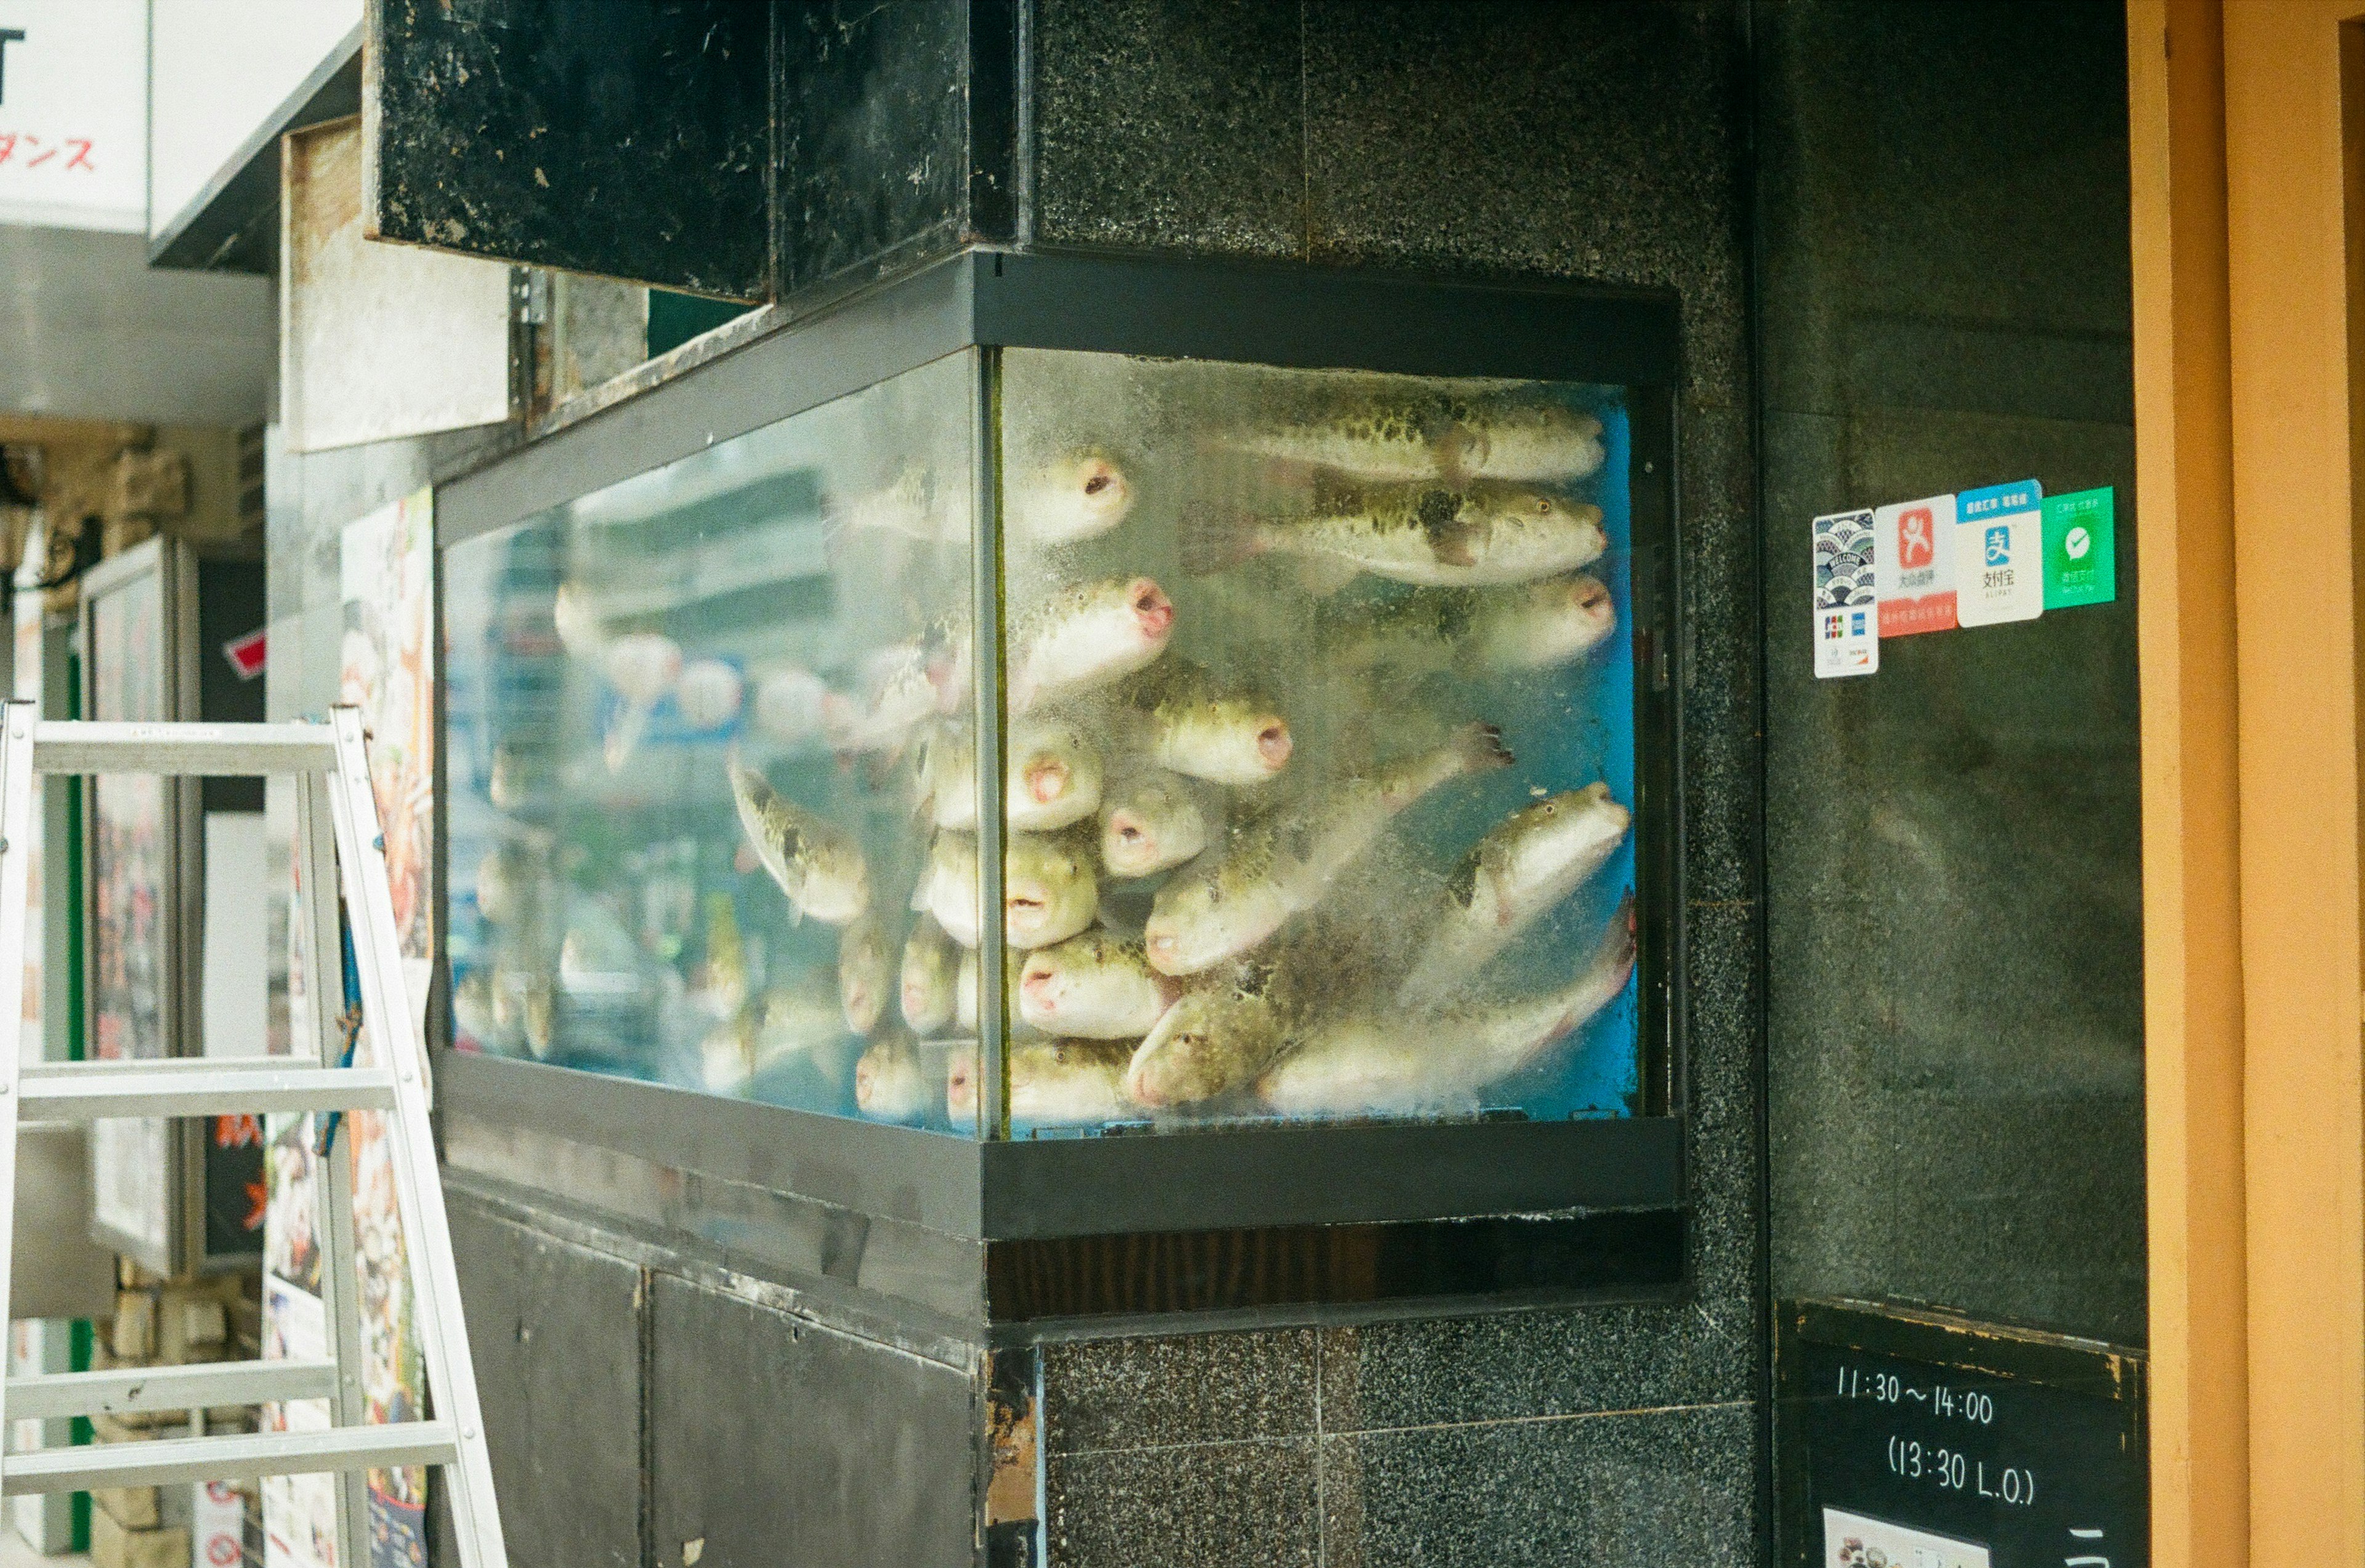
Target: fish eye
[[1129, 833], [1543, 505]]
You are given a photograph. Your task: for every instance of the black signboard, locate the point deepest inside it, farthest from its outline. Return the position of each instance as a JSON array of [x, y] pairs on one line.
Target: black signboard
[[1908, 1439]]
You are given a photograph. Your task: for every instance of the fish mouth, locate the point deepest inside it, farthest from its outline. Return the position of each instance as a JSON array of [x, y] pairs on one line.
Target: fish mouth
[[1047, 782], [1039, 987], [1165, 950], [1274, 746], [1130, 843], [1140, 1089], [1150, 607], [915, 1000], [1590, 596], [865, 1084], [1026, 911]]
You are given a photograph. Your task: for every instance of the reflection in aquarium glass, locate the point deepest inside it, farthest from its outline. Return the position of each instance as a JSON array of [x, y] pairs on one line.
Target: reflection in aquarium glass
[[708, 733], [1320, 745], [1317, 719]]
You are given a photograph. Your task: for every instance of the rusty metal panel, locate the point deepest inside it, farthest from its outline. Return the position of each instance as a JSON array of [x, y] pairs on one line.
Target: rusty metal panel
[[626, 137], [376, 341]]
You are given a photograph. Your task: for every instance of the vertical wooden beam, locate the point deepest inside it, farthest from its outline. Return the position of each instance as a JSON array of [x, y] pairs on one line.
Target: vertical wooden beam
[[2296, 583], [2192, 968]]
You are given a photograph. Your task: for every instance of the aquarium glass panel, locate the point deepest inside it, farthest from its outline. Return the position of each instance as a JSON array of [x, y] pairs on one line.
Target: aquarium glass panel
[[705, 726], [1320, 726]]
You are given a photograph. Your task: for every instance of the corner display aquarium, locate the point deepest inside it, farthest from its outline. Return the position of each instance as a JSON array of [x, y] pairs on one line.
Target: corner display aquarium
[[1202, 742]]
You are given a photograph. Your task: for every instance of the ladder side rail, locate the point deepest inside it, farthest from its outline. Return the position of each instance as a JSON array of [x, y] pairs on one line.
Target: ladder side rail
[[16, 846], [332, 1173], [427, 1236]]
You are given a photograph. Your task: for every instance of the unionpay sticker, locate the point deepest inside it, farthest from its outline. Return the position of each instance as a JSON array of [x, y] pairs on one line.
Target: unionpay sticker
[[1914, 542], [1847, 607], [1999, 551], [2082, 559]]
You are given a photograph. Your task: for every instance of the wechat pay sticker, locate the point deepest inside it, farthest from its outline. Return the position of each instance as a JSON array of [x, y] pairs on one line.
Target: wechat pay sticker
[[2078, 542]]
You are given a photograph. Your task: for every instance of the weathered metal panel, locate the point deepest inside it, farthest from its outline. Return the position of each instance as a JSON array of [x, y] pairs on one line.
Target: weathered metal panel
[[624, 136], [555, 1333], [776, 1440], [376, 341]]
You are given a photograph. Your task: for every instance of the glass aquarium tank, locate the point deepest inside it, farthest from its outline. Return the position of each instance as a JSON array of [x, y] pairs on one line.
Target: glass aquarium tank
[[1054, 738]]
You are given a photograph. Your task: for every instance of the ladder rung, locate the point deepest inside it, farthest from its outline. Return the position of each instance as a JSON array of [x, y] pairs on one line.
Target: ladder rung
[[238, 750], [243, 1457], [199, 1086], [121, 1390]]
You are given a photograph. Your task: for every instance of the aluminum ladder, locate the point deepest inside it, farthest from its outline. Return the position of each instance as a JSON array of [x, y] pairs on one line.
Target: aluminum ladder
[[336, 831]]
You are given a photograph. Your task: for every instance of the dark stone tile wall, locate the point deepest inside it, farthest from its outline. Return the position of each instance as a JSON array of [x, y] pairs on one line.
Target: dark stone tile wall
[[623, 136], [1954, 1033], [1295, 1446], [1600, 143]]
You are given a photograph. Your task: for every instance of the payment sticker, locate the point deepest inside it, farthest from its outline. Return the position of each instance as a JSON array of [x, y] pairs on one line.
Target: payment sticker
[[1999, 548], [1916, 568], [1848, 608], [2082, 560]]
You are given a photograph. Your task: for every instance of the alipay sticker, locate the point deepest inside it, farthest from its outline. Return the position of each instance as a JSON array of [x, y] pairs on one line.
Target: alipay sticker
[[1847, 607], [1998, 554]]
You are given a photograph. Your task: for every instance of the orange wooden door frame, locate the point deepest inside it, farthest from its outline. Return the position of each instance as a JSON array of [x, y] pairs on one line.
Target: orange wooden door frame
[[2248, 320]]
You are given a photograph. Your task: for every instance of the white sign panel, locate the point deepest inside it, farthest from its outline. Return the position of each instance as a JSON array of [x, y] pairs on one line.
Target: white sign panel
[[73, 114], [1859, 1541]]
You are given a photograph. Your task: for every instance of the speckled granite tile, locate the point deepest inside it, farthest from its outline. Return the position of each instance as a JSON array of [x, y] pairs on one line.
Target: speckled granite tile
[[1203, 1506], [1617, 159], [1172, 124], [1661, 1486], [1126, 1394]]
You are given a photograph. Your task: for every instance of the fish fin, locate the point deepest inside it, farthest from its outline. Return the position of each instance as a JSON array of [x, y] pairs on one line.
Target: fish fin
[[1480, 747], [1216, 539], [1323, 576], [1460, 450]]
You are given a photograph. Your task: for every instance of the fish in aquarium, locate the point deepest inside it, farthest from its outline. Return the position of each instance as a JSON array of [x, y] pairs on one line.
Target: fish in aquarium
[[796, 1019], [965, 993], [1474, 633], [1190, 726], [726, 1054], [1077, 496], [1519, 871], [904, 686], [1149, 822], [1084, 636], [643, 666], [1283, 865], [1096, 985], [1403, 1064], [1049, 889], [1053, 776], [865, 973], [912, 504], [818, 868], [1053, 1082], [946, 891], [597, 956], [709, 693], [1416, 439], [888, 1085], [793, 705], [497, 889], [1215, 1040], [524, 1005], [719, 985], [1481, 535], [925, 981], [472, 1015]]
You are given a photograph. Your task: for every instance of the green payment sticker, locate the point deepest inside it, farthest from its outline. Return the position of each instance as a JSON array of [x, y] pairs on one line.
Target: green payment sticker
[[2082, 562]]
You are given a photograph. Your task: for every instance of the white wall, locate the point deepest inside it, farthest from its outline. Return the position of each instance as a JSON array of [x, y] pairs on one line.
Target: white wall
[[73, 134], [221, 67]]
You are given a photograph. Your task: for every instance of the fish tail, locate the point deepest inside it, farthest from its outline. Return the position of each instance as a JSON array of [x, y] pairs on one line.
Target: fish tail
[[1216, 539]]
